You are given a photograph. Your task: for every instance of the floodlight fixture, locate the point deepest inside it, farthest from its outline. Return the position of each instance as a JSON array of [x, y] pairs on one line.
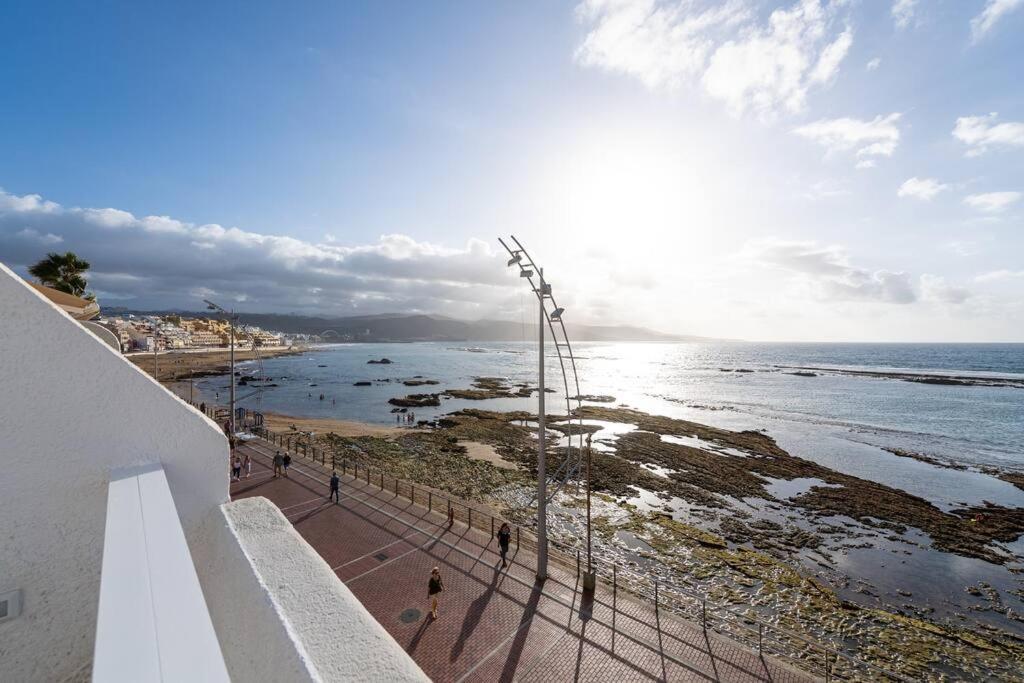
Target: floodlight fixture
[[556, 315], [525, 273], [516, 258]]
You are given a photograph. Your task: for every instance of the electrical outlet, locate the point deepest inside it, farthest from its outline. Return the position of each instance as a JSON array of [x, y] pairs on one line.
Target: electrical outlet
[[10, 605]]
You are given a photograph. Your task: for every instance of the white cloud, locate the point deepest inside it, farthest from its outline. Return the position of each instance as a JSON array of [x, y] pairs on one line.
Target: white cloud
[[992, 202], [766, 68], [924, 189], [36, 236], [998, 275], [108, 218], [903, 12], [29, 203], [982, 132], [993, 12], [161, 262], [935, 288], [876, 138], [873, 64], [828, 273]]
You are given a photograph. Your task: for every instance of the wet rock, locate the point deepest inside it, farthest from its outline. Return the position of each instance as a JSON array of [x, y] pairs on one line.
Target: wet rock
[[382, 361], [593, 398], [416, 401]]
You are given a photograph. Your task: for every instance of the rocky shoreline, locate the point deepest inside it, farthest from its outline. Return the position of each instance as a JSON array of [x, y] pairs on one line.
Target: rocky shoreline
[[729, 552], [730, 515], [919, 377]]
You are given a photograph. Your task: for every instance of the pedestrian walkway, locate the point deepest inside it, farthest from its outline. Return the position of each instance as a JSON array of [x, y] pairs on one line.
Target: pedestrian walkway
[[493, 624]]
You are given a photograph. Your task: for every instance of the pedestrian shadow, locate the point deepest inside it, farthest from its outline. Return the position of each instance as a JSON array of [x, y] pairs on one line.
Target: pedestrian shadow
[[469, 623], [255, 485], [315, 511], [414, 643]]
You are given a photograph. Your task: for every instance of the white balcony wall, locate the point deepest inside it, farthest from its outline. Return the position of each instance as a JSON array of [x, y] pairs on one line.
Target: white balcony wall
[[71, 410]]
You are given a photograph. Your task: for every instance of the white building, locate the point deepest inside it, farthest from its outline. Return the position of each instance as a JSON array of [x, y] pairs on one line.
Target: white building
[[121, 557]]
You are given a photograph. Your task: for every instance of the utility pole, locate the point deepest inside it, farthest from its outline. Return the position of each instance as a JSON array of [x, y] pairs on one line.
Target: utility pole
[[542, 474], [231, 326], [231, 333], [590, 576]]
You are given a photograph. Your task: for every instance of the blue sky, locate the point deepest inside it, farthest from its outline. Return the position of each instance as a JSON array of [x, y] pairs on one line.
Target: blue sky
[[766, 170]]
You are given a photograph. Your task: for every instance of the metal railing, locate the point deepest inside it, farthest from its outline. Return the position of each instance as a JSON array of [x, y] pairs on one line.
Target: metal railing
[[806, 652]]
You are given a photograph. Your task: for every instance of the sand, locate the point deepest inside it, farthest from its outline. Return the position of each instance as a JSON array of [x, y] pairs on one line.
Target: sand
[[178, 365], [322, 425], [485, 452]]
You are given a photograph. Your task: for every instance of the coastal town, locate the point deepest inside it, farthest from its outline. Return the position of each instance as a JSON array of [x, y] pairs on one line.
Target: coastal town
[[148, 333]]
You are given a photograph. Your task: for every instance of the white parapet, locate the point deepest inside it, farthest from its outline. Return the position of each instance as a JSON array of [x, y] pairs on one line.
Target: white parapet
[[280, 611], [153, 623], [72, 410]]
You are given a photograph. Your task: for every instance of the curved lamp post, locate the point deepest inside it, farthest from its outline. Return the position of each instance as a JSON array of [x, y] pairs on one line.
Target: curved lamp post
[[550, 319]]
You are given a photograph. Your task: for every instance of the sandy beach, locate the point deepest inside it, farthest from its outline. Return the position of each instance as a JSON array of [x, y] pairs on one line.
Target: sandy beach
[[180, 365], [289, 424]]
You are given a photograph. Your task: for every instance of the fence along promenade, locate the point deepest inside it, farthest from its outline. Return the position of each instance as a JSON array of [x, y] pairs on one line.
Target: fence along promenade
[[803, 651]]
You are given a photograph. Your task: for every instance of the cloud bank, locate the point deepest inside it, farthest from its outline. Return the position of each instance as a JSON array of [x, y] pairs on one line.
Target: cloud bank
[[161, 262], [827, 274]]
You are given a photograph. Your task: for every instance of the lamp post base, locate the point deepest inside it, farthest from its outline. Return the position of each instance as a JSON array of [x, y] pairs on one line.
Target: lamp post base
[[589, 580]]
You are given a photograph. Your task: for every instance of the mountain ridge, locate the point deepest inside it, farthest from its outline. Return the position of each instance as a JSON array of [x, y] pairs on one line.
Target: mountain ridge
[[408, 327]]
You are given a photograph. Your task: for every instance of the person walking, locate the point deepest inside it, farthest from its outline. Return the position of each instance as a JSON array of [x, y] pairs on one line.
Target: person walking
[[236, 469], [287, 461], [335, 488], [278, 462], [504, 538], [434, 588], [247, 464]]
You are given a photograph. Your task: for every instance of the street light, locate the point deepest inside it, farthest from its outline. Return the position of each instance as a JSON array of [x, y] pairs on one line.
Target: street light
[[231, 327]]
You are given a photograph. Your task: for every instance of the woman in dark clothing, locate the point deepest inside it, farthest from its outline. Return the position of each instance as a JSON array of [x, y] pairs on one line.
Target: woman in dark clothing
[[434, 588], [287, 463], [504, 537]]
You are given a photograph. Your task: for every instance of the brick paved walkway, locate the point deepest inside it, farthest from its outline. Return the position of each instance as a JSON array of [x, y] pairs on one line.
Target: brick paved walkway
[[494, 624]]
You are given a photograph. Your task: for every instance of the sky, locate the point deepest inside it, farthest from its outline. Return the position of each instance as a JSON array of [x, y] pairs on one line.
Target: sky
[[844, 170]]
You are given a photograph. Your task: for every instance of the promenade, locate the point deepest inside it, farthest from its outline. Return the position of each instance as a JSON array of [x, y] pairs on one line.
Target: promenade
[[493, 624]]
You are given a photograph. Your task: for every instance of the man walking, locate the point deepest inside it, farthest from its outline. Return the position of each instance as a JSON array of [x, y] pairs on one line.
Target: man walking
[[287, 463], [278, 462], [335, 488]]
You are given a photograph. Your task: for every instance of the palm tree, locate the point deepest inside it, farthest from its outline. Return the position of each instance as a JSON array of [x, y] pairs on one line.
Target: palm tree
[[63, 272]]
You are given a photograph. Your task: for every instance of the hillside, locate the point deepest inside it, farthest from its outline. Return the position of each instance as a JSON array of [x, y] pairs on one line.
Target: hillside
[[405, 328]]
